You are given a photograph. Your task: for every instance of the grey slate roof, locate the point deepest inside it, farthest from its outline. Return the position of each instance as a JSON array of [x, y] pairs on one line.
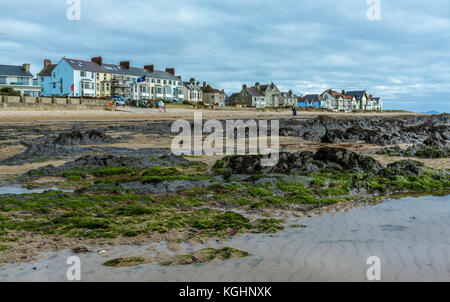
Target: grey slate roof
[[47, 71], [117, 69], [310, 98], [358, 94], [254, 91], [11, 70], [84, 65]]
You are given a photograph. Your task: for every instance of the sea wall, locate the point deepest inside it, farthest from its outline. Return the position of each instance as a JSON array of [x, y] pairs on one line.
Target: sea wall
[[52, 103]]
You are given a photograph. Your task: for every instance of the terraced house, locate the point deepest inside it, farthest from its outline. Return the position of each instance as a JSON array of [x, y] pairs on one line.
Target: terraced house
[[249, 96], [289, 99], [20, 79], [310, 101], [359, 99], [336, 101], [213, 96], [193, 91], [259, 96], [272, 94], [350, 101], [74, 77]]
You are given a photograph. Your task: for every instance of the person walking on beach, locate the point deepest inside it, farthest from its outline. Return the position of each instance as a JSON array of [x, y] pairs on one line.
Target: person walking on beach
[[294, 111]]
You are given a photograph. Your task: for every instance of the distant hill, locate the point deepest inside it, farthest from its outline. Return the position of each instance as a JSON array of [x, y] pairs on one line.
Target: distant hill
[[432, 112]]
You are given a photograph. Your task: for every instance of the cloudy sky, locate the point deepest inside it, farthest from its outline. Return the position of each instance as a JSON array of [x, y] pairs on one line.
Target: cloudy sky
[[306, 46]]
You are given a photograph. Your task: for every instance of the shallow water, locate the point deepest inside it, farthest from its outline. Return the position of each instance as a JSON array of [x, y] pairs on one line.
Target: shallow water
[[17, 189], [410, 235]]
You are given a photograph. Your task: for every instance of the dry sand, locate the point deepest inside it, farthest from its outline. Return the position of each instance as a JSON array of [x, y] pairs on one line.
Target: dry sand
[[154, 114]]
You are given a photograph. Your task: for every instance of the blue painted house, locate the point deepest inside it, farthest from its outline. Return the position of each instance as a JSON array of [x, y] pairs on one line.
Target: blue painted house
[[44, 78], [309, 101]]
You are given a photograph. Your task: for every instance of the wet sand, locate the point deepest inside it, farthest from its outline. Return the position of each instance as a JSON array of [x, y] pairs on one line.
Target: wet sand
[[409, 235]]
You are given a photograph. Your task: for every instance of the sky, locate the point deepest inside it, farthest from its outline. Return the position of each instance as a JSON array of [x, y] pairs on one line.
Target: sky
[[304, 46]]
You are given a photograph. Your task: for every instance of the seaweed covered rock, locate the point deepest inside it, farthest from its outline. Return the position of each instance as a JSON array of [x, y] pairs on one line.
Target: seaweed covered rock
[[435, 140], [377, 130], [90, 137], [333, 136], [433, 147], [347, 160], [300, 163], [404, 168], [90, 162]]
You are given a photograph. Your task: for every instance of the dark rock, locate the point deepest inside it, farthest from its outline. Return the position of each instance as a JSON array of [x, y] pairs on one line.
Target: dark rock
[[404, 168], [435, 140], [333, 136], [91, 137], [301, 163], [80, 249], [90, 162], [348, 160]]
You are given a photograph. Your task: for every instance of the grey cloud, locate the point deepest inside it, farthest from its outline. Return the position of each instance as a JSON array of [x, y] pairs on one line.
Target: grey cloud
[[301, 45]]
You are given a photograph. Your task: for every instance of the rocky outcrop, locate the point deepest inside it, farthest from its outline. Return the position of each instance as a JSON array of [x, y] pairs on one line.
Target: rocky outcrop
[[343, 159], [378, 130], [90, 137], [301, 163], [404, 168], [91, 162], [433, 147]]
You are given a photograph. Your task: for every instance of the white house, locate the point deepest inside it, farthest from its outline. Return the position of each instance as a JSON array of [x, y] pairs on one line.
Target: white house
[[193, 91], [20, 79]]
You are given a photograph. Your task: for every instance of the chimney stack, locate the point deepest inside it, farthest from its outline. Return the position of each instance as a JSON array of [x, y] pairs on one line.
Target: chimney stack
[[97, 60], [171, 71], [204, 84], [47, 63], [125, 64], [149, 68], [26, 67]]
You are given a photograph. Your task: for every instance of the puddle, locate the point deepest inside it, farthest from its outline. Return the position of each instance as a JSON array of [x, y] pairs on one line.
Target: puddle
[[16, 189], [409, 235]]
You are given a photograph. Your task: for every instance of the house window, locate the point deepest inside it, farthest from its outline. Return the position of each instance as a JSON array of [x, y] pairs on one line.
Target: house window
[[54, 85], [82, 74]]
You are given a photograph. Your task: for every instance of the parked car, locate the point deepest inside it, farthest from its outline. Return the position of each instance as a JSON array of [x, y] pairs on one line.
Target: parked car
[[120, 101]]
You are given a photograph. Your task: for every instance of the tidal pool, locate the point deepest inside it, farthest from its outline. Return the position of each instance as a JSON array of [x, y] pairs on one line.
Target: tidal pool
[[17, 189], [409, 235]]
